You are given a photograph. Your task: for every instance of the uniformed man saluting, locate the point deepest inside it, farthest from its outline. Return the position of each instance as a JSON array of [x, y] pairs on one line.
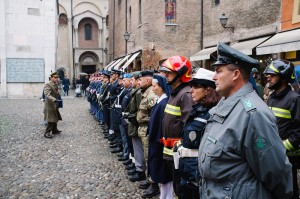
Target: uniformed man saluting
[[241, 154]]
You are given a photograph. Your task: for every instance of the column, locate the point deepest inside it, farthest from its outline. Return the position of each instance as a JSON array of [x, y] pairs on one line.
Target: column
[[3, 49]]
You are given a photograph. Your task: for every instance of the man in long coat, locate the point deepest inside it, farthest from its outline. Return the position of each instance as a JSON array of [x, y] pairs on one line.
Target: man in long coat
[[51, 112]]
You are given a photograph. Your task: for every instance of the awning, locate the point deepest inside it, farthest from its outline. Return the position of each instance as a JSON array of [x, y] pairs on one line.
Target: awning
[[281, 42], [115, 63], [203, 54], [121, 62], [106, 67], [130, 60], [247, 46]]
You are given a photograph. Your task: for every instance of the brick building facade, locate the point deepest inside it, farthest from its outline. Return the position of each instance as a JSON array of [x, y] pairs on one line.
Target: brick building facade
[[150, 33]]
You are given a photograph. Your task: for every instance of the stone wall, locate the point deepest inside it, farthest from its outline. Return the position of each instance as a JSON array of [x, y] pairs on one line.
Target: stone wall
[[152, 35], [249, 18]]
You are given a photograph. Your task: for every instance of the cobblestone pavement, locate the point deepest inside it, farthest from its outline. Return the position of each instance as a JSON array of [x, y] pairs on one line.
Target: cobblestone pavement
[[74, 164]]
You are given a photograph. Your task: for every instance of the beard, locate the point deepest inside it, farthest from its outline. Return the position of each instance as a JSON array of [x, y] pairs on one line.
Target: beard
[[275, 85]]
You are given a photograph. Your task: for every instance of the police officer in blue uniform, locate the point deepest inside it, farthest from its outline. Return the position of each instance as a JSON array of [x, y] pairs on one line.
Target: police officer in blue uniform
[[114, 91], [204, 95]]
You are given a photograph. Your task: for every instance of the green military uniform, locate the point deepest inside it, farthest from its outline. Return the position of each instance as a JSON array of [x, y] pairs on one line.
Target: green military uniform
[[148, 101]]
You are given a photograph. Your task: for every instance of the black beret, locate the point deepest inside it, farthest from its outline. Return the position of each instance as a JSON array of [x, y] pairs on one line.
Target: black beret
[[228, 55], [146, 73]]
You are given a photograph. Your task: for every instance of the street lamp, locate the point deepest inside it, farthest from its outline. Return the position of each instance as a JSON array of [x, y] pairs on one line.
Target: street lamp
[[126, 36], [105, 50], [223, 21]]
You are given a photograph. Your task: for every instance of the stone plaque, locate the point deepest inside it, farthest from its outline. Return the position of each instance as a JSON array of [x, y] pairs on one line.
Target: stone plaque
[[25, 70]]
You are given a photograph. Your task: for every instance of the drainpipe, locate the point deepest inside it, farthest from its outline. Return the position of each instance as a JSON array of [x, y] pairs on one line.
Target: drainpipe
[[114, 30], [201, 33], [125, 25], [72, 21]]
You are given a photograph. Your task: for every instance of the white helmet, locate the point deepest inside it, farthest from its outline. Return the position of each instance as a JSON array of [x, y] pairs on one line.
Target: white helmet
[[204, 77]]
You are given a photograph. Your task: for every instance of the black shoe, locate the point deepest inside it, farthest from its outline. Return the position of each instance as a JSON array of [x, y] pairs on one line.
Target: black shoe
[[138, 176], [153, 190], [131, 172], [116, 150], [144, 184], [56, 132], [111, 137], [120, 154], [123, 158], [114, 146], [127, 162], [130, 166], [113, 143], [47, 135]]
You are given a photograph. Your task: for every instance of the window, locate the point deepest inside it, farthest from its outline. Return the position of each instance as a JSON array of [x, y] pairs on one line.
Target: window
[[107, 20], [140, 12], [296, 12], [216, 2], [88, 31], [63, 20]]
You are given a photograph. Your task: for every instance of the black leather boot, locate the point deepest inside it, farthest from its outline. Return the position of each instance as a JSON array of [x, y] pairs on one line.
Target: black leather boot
[[131, 172], [153, 190], [144, 184], [123, 158], [130, 166], [127, 162], [116, 150], [138, 176]]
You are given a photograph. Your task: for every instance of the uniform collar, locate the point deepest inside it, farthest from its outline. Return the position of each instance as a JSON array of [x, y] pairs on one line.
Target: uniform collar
[[225, 106], [162, 97], [147, 90], [198, 108], [282, 93], [178, 88]]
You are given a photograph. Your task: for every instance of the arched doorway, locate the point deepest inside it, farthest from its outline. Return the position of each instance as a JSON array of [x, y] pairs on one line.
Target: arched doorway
[[88, 62]]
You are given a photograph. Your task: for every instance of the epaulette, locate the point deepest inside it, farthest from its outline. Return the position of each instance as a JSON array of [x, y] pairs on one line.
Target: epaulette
[[248, 104]]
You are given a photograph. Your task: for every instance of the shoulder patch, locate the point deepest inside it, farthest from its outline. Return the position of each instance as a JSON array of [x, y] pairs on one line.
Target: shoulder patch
[[261, 143], [248, 104], [152, 102]]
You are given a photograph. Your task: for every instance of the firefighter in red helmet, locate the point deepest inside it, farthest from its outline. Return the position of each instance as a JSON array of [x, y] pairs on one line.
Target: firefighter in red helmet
[[177, 70]]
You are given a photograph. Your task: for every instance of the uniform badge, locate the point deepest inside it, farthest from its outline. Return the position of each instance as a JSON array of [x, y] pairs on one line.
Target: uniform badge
[[260, 143], [192, 135], [151, 102]]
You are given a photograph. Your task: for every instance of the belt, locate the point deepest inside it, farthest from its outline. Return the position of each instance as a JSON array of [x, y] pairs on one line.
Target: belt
[[185, 152]]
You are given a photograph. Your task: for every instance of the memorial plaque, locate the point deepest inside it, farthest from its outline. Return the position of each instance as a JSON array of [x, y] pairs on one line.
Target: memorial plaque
[[25, 70]]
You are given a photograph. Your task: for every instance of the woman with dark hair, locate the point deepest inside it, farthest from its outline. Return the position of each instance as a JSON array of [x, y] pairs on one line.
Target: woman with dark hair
[[204, 95]]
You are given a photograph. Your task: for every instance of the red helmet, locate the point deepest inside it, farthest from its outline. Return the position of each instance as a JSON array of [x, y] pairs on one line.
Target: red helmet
[[180, 65]]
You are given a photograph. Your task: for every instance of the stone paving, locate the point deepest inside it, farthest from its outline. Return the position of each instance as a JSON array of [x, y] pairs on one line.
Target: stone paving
[[74, 164]]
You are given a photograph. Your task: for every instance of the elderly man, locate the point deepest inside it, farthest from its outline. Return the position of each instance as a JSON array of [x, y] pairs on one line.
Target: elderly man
[[51, 112], [241, 154]]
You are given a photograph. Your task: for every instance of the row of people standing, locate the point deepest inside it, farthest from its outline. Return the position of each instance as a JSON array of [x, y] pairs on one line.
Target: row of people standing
[[174, 126]]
